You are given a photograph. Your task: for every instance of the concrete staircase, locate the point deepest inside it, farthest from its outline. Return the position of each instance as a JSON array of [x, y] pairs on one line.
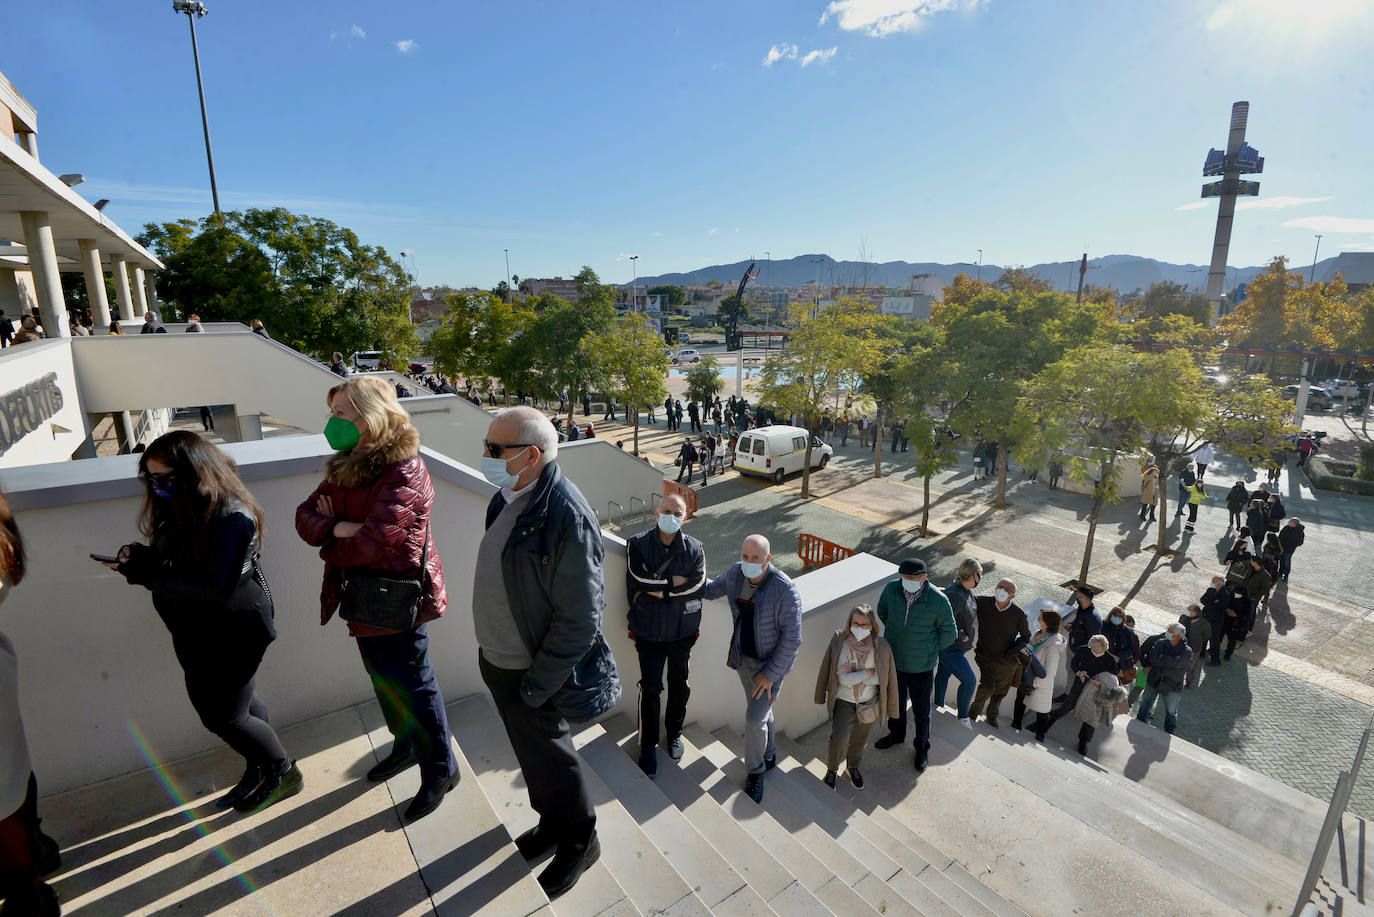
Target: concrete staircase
[[1187, 832], [690, 841]]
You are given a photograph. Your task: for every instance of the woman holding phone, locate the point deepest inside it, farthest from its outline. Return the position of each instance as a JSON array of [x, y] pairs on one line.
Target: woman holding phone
[[204, 530]]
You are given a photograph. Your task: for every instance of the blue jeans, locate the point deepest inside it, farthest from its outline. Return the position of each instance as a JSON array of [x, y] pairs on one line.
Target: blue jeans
[[412, 704], [1285, 563], [955, 662], [759, 740], [1171, 702]]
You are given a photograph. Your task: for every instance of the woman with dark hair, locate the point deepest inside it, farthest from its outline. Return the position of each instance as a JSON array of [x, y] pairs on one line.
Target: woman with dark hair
[[26, 854], [371, 519], [201, 565]]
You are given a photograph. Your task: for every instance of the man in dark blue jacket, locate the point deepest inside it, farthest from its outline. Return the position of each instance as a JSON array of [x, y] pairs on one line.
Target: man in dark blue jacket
[[537, 598], [664, 577], [1166, 668], [764, 643]]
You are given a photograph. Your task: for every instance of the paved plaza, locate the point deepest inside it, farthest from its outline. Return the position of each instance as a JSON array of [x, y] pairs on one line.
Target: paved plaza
[[1291, 704]]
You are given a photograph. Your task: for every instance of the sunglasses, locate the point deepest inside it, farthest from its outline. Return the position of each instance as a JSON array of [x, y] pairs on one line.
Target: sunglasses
[[495, 449], [152, 478]]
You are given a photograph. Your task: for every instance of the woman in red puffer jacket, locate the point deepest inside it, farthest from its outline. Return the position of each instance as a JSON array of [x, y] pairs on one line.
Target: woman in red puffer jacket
[[371, 514]]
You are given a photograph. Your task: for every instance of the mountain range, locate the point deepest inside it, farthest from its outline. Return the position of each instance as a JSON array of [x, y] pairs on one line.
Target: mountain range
[[1123, 272]]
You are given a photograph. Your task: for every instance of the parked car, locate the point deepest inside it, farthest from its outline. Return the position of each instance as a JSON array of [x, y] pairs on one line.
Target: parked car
[[687, 356], [1339, 388], [777, 451], [684, 338], [1318, 398]]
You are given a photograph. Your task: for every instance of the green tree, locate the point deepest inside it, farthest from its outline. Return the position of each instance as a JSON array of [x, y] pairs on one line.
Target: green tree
[[921, 388], [315, 284], [837, 343], [703, 381], [633, 362], [1094, 405], [998, 342], [675, 295], [1168, 298], [895, 337], [1021, 280], [551, 355], [475, 335]]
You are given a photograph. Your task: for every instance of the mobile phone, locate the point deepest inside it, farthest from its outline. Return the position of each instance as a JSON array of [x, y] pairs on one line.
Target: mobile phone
[[104, 559]]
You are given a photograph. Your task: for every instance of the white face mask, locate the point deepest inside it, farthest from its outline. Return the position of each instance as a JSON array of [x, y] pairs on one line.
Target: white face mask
[[668, 523], [912, 586], [860, 633], [751, 571], [1002, 596]]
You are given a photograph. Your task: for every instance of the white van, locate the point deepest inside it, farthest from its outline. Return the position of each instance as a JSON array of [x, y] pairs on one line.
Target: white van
[[777, 451], [368, 360]]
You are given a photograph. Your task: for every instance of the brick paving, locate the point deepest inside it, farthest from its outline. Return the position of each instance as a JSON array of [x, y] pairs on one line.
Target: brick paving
[[1290, 705]]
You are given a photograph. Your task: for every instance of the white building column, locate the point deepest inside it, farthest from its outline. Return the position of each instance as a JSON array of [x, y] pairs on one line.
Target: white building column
[[10, 303], [95, 281], [46, 279], [29, 141], [150, 287], [139, 291], [126, 299]]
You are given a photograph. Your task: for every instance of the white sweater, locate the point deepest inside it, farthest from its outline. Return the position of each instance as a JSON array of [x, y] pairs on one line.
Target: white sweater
[[857, 687]]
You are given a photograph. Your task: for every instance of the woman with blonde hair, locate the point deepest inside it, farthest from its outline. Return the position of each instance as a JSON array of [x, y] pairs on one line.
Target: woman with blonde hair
[[371, 519], [858, 682]]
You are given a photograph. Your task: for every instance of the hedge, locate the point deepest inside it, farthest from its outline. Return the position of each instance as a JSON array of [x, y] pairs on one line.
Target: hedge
[[1336, 476]]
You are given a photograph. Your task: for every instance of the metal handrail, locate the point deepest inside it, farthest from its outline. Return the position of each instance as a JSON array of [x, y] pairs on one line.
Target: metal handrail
[[1340, 798], [644, 507], [610, 515]]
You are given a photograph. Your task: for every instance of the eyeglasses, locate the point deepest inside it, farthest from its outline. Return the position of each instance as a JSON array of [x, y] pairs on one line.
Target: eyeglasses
[[152, 478], [495, 449]]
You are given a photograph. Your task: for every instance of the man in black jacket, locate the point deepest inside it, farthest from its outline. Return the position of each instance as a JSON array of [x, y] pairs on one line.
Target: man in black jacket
[[1291, 537], [686, 460], [537, 600], [665, 573]]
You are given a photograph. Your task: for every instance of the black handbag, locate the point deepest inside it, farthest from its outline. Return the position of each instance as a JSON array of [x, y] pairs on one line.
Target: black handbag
[[389, 602]]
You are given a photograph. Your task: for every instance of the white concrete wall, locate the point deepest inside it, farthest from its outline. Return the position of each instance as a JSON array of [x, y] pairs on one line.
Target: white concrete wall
[[33, 378]]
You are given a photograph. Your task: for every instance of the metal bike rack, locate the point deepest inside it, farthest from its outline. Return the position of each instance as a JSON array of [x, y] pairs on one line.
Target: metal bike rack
[[610, 515]]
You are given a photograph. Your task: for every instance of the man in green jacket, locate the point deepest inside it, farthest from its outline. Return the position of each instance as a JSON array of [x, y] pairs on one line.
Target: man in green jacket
[[918, 624]]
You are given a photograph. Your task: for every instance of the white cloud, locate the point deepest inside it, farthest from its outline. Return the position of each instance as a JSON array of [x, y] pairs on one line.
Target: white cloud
[[1276, 203], [406, 45], [818, 56], [1331, 224], [713, 231], [1195, 205], [625, 256], [658, 235], [1359, 246], [357, 32], [780, 52], [881, 18]]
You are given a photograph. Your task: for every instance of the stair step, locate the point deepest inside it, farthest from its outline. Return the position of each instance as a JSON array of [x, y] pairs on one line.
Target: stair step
[[1206, 855], [929, 888], [786, 833], [750, 859], [708, 873], [648, 878], [478, 731]]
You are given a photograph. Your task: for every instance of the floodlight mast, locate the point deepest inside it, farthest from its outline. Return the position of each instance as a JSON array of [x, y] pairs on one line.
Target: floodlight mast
[[194, 9]]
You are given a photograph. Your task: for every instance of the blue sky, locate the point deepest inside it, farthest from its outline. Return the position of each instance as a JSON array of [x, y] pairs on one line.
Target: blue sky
[[578, 132]]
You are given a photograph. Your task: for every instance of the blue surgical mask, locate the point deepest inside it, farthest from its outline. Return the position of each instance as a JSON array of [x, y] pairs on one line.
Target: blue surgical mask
[[1117, 619], [669, 524], [751, 571], [913, 587], [494, 470]]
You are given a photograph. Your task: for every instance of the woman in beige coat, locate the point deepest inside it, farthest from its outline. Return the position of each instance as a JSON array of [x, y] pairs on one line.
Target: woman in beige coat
[[858, 682], [1149, 491]]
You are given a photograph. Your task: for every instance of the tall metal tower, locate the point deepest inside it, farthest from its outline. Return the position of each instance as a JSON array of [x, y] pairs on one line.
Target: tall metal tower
[[1239, 159]]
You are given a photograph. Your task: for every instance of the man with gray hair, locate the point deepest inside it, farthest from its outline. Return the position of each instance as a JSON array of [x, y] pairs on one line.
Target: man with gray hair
[[1166, 668], [537, 599], [764, 644]]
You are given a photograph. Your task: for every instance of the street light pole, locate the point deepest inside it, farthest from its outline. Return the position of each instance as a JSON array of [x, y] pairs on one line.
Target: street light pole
[[634, 274], [1313, 273], [507, 251], [980, 266], [194, 9]]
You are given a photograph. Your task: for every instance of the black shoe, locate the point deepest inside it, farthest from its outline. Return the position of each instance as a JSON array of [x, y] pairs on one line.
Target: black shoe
[[429, 797], [648, 762], [252, 776], [272, 790], [398, 760], [830, 779], [1083, 749], [770, 761], [567, 866], [753, 788], [1015, 725], [991, 722], [675, 748], [890, 740], [35, 900], [535, 842], [855, 777], [47, 853], [921, 760]]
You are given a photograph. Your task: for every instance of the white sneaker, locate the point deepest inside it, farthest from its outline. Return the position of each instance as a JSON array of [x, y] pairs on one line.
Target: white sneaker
[[968, 723]]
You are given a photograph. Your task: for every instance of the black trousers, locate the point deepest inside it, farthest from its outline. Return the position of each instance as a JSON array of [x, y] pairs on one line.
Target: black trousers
[[550, 765], [920, 687], [409, 695], [219, 684], [653, 658]]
